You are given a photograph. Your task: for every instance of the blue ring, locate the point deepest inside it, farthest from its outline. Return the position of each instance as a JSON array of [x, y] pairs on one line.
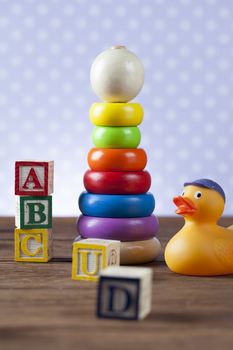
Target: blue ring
[[116, 206]]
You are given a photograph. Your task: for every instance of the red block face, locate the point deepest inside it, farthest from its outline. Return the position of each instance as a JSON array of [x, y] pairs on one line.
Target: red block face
[[34, 178]]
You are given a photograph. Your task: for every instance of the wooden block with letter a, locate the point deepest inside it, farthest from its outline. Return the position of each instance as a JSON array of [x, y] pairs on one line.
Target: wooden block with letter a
[[91, 256], [33, 212], [124, 293], [34, 178], [33, 245]]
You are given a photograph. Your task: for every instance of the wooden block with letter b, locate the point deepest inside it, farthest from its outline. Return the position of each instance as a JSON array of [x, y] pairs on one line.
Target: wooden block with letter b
[[33, 212], [124, 293], [34, 178], [33, 245], [91, 256]]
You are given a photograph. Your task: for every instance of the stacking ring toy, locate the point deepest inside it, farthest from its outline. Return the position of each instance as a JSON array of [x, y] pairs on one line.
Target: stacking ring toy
[[116, 114], [123, 229], [139, 252], [117, 182], [116, 206], [116, 137], [108, 159]]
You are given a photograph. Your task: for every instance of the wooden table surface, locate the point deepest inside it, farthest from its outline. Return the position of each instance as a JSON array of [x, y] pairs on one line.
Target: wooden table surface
[[42, 308]]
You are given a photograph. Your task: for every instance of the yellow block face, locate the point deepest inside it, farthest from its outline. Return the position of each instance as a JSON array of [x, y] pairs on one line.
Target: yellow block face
[[33, 245], [88, 260]]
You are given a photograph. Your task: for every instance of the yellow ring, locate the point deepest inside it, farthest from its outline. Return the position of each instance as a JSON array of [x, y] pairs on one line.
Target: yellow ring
[[116, 114]]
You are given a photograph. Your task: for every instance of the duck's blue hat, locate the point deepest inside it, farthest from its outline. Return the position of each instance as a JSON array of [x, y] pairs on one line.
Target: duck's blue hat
[[206, 183]]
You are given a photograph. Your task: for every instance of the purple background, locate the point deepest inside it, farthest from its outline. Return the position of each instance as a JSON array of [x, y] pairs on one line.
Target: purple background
[[46, 49]]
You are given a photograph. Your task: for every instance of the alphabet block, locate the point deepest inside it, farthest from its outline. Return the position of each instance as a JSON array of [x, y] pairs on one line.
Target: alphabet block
[[124, 293], [34, 178], [33, 245], [33, 212], [91, 256]]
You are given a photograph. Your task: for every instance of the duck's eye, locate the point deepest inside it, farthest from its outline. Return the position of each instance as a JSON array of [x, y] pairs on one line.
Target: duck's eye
[[197, 195], [182, 194]]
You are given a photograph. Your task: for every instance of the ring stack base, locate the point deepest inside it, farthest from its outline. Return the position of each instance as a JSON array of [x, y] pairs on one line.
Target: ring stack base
[[139, 252]]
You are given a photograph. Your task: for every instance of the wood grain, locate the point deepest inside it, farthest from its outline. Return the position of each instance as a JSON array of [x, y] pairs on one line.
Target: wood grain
[[42, 308]]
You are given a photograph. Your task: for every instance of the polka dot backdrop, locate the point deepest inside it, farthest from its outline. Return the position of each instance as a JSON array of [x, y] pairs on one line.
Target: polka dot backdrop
[[46, 49]]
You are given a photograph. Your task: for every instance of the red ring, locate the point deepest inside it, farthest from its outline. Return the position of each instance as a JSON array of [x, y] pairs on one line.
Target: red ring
[[117, 182]]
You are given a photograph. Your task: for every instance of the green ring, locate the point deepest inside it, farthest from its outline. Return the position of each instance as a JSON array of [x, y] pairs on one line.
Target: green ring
[[116, 137]]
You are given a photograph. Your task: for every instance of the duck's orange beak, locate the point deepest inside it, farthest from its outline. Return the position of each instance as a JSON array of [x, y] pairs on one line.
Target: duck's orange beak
[[184, 205]]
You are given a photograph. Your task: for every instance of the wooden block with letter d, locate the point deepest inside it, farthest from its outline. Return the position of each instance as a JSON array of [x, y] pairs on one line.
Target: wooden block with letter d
[[91, 256], [33, 212], [124, 293], [34, 178], [33, 245]]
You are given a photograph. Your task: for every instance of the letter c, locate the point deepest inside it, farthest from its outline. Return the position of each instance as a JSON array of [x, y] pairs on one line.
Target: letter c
[[24, 244]]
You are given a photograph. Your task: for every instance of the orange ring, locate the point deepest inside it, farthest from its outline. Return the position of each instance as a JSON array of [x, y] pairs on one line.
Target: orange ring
[[112, 159]]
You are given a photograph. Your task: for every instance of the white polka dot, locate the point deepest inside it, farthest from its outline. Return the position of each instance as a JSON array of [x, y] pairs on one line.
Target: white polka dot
[[198, 38], [197, 89], [224, 13], [185, 51], [54, 74], [197, 64], [68, 36], [184, 102], [158, 102], [16, 61], [172, 38], [28, 74], [184, 76], [28, 100], [171, 89], [171, 63], [210, 102], [158, 76], [42, 9], [68, 10], [211, 25], [183, 128], [223, 90], [55, 23], [185, 25], [210, 51], [146, 37], [198, 12], [210, 77], [172, 12], [120, 11], [223, 116], [223, 64], [15, 86], [94, 10], [16, 9], [42, 35], [159, 24], [158, 50], [224, 38], [146, 11], [4, 21], [107, 23], [29, 48], [16, 35], [54, 100], [210, 128], [55, 49]]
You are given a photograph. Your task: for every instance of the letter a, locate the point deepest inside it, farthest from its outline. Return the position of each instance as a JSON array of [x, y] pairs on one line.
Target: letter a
[[32, 179]]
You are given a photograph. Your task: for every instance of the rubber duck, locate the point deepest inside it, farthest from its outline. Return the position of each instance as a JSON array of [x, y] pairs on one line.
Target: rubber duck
[[201, 247]]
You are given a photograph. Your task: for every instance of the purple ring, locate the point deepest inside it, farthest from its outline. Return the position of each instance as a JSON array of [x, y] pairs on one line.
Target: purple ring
[[123, 229]]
